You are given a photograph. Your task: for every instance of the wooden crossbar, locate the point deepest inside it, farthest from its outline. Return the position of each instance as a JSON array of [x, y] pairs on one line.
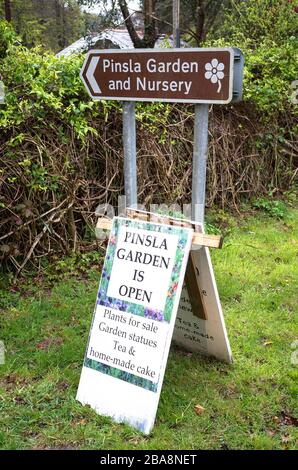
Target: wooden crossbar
[[202, 239]]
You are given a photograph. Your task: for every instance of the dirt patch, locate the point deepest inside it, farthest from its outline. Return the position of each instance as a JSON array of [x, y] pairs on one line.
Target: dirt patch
[[46, 344], [10, 381], [57, 447], [61, 386], [284, 419]]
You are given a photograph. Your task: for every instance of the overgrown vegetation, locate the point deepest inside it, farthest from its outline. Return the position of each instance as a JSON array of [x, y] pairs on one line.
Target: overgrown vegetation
[[53, 24], [61, 153], [251, 404]]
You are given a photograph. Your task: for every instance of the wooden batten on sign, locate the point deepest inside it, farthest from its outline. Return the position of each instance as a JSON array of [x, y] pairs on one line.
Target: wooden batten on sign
[[193, 288], [201, 239]]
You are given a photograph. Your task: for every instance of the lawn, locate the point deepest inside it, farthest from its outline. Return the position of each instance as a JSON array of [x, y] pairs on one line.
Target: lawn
[[251, 404]]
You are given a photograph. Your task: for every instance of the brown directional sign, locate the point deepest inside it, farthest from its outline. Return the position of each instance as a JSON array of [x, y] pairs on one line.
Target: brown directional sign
[[173, 75]]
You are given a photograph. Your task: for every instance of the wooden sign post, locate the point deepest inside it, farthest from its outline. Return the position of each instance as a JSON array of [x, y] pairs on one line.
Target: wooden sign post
[[133, 320]]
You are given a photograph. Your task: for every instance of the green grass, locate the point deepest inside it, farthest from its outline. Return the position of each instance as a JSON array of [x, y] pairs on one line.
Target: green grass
[[249, 405]]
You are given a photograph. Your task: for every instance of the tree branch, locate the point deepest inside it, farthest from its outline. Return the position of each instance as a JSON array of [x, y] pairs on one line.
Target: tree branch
[[137, 41], [200, 22], [149, 24]]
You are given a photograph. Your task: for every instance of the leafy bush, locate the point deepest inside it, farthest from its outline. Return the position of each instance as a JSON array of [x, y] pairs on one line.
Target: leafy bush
[[274, 208], [7, 37], [252, 22], [266, 31], [46, 91]]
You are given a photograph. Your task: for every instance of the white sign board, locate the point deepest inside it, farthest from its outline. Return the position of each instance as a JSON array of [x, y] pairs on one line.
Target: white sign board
[[133, 320], [207, 336]]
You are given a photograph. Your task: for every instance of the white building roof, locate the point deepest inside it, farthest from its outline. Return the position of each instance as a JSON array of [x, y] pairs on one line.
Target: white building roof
[[118, 37]]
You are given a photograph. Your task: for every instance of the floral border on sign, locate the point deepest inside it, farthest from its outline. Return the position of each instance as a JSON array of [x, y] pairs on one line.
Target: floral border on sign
[[130, 307]]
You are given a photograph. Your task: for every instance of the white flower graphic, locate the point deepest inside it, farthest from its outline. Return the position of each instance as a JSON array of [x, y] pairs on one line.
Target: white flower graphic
[[214, 72]]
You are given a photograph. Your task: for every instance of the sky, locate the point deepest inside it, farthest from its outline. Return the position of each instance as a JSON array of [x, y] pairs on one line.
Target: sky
[[132, 4]]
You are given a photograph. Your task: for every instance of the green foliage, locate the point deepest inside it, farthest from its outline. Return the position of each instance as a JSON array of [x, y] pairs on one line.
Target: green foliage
[[7, 37], [252, 22], [79, 265], [266, 31], [46, 90], [42, 93], [212, 11], [291, 196], [54, 24], [212, 229], [270, 70], [274, 208], [47, 123], [219, 222]]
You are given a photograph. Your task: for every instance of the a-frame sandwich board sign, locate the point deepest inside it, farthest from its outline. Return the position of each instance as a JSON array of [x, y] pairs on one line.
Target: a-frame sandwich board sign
[[133, 320], [200, 325]]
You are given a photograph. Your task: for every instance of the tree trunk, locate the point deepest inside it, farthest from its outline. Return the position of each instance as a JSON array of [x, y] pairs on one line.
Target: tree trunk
[[59, 25], [63, 7], [7, 10], [149, 24], [200, 30], [137, 41]]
